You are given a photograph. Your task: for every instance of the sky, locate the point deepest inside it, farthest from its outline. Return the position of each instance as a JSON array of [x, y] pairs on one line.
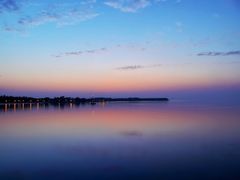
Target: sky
[[120, 47]]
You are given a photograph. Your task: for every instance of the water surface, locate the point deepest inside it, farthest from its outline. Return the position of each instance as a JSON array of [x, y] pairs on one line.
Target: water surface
[[174, 140]]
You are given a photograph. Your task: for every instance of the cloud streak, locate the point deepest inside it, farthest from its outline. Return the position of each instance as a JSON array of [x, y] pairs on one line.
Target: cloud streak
[[61, 14], [130, 6], [9, 5], [131, 46], [214, 53], [136, 67], [79, 53], [7, 28], [132, 67], [61, 19]]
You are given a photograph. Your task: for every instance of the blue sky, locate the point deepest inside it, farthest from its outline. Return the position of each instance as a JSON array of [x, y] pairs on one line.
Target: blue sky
[[122, 46]]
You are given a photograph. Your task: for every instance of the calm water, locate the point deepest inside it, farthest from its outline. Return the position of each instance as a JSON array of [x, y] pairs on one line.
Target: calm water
[[175, 140]]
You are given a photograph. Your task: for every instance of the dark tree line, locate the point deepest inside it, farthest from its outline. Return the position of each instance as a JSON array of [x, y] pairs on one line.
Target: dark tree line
[[77, 100]]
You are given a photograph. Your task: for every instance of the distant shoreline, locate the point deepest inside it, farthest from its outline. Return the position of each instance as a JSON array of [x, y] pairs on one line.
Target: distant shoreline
[[76, 100]]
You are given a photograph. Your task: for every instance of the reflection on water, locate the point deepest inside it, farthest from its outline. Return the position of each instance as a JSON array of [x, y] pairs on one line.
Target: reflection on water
[[36, 106], [119, 141], [33, 106]]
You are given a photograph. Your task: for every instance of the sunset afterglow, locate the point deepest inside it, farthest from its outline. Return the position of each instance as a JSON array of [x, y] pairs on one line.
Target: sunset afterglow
[[95, 47]]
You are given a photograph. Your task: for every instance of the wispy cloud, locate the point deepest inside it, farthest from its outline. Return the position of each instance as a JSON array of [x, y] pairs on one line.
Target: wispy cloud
[[132, 67], [80, 52], [129, 46], [32, 14], [136, 67], [7, 28], [130, 6], [61, 19], [61, 14], [9, 5], [214, 53], [89, 2]]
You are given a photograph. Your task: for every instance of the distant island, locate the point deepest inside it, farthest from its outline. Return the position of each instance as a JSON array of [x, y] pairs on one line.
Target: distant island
[[67, 100]]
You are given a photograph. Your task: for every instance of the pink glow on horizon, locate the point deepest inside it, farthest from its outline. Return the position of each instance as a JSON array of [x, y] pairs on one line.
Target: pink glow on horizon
[[101, 120], [114, 85]]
